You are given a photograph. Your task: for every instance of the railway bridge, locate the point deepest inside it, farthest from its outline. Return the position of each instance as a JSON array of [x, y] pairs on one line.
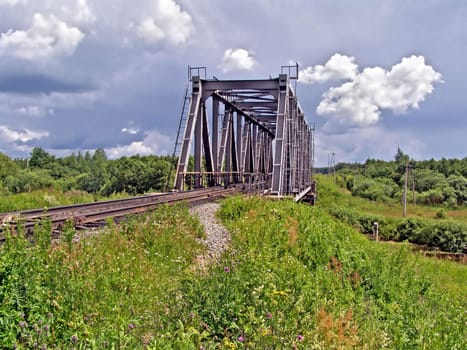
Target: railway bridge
[[244, 131]]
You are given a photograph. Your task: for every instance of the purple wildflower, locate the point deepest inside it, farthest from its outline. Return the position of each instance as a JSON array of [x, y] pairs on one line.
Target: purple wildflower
[[269, 315], [241, 339], [74, 338], [300, 337], [131, 326], [226, 269], [22, 324]]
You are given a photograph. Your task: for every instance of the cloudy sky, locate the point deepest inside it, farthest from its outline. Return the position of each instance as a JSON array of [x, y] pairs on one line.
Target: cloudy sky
[[374, 75]]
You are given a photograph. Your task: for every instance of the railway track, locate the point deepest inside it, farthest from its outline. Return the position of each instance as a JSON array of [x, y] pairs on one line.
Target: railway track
[[87, 214]]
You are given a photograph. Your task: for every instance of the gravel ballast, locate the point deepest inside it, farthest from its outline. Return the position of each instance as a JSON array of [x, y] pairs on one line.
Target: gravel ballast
[[217, 237]]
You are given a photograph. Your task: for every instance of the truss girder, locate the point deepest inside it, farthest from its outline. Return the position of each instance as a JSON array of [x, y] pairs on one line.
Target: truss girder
[[258, 136]]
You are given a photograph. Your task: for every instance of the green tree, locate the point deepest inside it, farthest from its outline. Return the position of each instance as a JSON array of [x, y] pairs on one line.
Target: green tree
[[40, 158], [401, 157], [458, 184], [7, 166]]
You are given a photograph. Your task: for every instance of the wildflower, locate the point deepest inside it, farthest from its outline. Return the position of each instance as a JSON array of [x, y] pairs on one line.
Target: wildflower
[[22, 324], [44, 347], [226, 269], [241, 339], [300, 337], [269, 315], [131, 326], [74, 338]]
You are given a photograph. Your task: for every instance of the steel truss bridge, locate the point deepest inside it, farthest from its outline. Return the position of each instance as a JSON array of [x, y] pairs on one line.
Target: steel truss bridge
[[244, 131]]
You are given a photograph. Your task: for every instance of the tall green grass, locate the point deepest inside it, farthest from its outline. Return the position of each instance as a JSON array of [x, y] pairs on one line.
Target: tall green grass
[[119, 289], [47, 198], [296, 278], [446, 230], [293, 278]]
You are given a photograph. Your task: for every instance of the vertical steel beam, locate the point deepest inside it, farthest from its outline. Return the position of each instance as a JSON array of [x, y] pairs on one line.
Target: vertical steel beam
[[193, 112], [254, 140], [215, 136], [235, 156], [281, 135], [198, 147], [224, 139], [207, 149], [245, 145], [239, 131], [228, 150]]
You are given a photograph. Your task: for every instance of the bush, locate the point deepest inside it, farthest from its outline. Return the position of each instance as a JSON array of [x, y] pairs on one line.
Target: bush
[[27, 181], [375, 190], [447, 236], [441, 214]]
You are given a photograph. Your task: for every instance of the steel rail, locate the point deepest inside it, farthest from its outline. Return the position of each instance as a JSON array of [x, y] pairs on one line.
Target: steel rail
[[87, 213]]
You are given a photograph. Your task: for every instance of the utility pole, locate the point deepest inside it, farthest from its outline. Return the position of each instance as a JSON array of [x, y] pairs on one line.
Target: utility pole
[[404, 210], [332, 164]]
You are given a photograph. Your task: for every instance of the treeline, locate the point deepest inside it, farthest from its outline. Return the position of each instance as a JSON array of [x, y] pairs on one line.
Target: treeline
[[429, 182], [93, 173]]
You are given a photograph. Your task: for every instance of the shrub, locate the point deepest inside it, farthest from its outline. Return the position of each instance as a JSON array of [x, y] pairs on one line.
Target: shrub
[[447, 236], [27, 181], [441, 214]]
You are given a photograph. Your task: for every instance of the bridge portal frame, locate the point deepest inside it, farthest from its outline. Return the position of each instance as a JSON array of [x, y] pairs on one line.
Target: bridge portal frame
[[259, 136]]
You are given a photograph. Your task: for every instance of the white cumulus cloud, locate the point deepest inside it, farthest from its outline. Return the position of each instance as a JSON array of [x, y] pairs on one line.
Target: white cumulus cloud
[[80, 13], [336, 68], [20, 135], [153, 143], [237, 60], [131, 131], [47, 37], [359, 102], [167, 22]]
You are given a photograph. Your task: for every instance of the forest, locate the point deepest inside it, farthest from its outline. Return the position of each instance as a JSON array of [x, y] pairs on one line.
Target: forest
[[93, 173], [429, 182]]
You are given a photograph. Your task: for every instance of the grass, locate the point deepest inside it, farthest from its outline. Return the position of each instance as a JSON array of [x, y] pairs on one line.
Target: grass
[[47, 198], [330, 194], [434, 227], [293, 278], [110, 291]]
